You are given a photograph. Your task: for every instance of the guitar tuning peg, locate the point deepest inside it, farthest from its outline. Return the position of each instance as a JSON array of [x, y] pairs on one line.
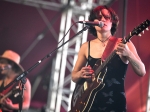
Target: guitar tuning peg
[[143, 31], [139, 35], [147, 29]]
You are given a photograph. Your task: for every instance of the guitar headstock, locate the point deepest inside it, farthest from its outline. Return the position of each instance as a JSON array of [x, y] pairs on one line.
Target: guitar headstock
[[141, 28], [137, 30]]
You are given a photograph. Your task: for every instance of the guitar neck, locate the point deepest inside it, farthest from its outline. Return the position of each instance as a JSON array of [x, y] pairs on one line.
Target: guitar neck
[[136, 31], [103, 65], [7, 95], [127, 38], [15, 92], [112, 55]]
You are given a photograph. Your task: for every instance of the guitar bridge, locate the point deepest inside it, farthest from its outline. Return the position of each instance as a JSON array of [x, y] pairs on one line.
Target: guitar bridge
[[100, 79]]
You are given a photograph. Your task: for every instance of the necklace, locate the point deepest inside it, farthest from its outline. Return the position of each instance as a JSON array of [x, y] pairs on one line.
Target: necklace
[[103, 41]]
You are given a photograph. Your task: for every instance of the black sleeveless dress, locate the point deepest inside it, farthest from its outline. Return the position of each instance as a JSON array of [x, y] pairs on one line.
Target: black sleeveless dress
[[112, 97]]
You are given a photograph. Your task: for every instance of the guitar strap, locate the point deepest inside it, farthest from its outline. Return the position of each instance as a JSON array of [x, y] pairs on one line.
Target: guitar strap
[[109, 47], [5, 91]]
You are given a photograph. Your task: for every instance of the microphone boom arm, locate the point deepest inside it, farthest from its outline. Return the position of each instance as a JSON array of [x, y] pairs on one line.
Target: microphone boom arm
[[36, 64]]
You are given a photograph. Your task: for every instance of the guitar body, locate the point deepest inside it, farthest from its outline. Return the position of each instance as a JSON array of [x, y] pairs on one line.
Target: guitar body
[[86, 90], [14, 91]]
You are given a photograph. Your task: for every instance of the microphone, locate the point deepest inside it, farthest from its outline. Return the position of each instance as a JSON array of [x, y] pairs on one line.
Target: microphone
[[91, 23], [5, 67]]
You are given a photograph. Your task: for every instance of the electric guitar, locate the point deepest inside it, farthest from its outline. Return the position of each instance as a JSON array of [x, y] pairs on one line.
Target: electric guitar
[[86, 90], [15, 92]]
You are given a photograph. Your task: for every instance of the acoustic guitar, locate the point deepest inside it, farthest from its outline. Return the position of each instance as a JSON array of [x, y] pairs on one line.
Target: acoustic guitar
[[86, 90]]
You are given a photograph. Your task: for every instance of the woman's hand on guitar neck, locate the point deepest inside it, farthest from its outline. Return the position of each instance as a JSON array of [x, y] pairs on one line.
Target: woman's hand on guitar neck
[[123, 49], [87, 72]]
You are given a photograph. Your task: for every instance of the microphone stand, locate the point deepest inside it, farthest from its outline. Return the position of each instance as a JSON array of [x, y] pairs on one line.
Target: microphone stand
[[22, 76], [23, 81]]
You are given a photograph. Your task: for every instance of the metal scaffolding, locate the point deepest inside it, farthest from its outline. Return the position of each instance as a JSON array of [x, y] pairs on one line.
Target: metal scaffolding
[[148, 96], [61, 86]]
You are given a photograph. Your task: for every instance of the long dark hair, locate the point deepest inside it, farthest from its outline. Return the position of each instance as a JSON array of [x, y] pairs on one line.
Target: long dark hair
[[94, 15]]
